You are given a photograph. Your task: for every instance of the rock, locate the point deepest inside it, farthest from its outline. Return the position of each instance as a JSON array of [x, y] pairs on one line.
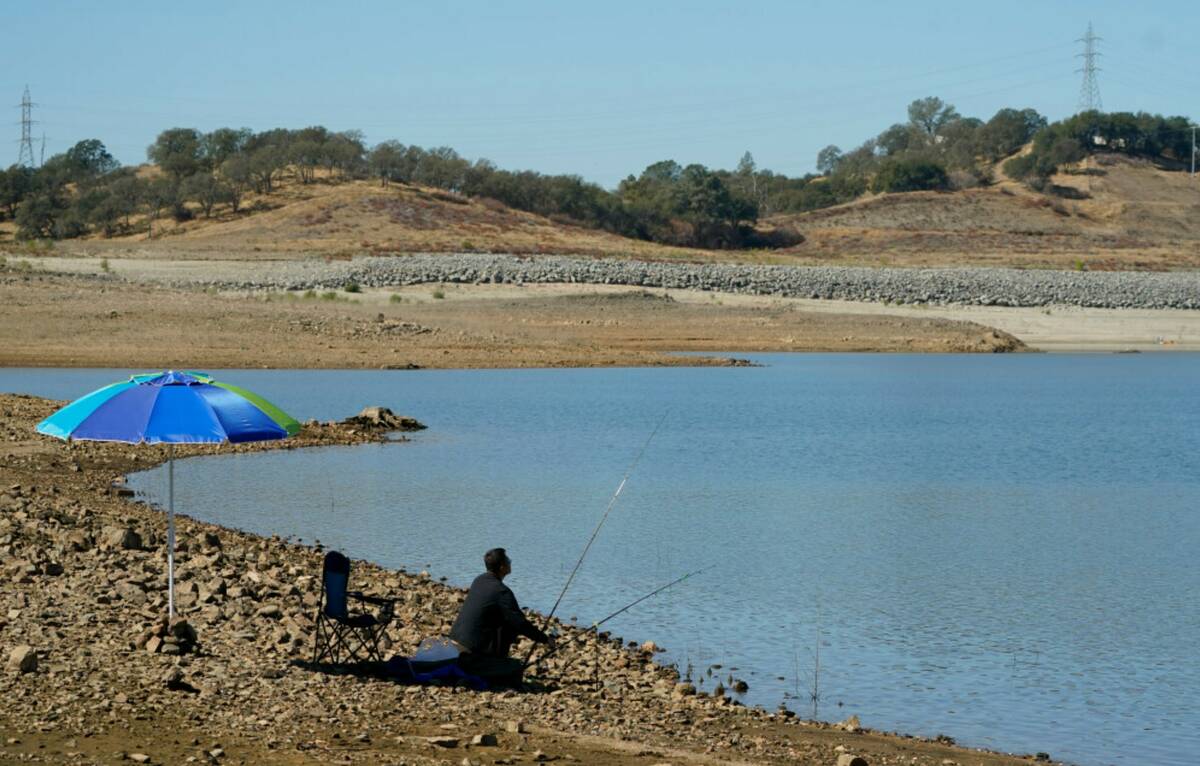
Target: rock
[[216, 753], [139, 758], [847, 759], [650, 647], [22, 659], [740, 686], [446, 742], [685, 690], [515, 727], [182, 630], [210, 540], [851, 724], [154, 644], [270, 611], [383, 418], [120, 538], [484, 740]]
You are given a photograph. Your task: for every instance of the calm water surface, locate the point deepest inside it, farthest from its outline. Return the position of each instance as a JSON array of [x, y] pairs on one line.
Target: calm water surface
[[1000, 548]]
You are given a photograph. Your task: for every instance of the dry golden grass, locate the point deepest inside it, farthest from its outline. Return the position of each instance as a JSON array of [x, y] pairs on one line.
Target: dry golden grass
[[1111, 212]]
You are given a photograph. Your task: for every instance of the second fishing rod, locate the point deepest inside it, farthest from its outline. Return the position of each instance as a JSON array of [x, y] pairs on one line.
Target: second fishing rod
[[608, 510]]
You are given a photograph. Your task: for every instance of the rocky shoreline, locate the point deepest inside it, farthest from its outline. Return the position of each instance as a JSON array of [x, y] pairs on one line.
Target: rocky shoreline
[[92, 678], [937, 286]]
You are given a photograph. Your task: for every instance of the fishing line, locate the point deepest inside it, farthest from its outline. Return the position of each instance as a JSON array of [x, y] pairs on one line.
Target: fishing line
[[611, 503], [629, 606]]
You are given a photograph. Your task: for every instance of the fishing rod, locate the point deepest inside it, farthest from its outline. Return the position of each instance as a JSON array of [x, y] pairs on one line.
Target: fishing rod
[[612, 502], [629, 606], [654, 592]]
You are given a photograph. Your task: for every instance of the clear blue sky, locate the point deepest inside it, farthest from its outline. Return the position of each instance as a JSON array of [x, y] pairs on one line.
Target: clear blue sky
[[598, 89]]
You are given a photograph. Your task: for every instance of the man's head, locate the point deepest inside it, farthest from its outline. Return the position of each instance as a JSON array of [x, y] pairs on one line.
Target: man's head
[[496, 561]]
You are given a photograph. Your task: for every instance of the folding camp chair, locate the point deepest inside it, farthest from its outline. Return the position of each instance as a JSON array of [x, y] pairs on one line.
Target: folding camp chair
[[342, 636]]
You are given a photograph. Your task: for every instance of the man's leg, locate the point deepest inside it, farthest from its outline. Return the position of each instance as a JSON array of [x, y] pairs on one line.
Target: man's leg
[[497, 671]]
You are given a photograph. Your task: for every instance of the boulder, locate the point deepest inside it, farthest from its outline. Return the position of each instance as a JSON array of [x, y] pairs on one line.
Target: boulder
[[846, 759], [120, 538], [23, 659], [383, 418]]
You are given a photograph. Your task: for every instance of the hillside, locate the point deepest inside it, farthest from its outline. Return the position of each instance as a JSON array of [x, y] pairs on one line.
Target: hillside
[[362, 216], [1113, 213]]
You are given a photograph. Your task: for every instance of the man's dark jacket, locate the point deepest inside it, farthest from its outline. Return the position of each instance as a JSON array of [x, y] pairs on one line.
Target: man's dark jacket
[[490, 620]]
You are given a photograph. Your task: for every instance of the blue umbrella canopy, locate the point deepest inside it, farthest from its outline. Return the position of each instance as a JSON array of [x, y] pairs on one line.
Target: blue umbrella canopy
[[170, 408]]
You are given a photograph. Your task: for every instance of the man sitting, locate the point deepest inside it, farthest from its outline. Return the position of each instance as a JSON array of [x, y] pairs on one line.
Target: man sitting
[[488, 624]]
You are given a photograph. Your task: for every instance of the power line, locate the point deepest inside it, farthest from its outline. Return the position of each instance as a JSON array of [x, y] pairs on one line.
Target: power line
[[1089, 89], [25, 156]]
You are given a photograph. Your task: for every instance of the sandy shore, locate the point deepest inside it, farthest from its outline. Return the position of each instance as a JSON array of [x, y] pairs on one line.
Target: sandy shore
[[84, 568]]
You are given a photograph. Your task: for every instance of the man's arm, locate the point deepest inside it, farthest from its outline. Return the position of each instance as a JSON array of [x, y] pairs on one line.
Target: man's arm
[[515, 619]]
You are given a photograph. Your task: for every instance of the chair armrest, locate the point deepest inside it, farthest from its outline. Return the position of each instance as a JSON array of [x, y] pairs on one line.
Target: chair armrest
[[376, 600]]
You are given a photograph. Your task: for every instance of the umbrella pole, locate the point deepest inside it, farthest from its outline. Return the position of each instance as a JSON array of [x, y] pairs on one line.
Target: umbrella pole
[[171, 531]]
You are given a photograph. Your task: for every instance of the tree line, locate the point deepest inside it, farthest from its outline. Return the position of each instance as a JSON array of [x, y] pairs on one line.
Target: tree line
[[85, 190]]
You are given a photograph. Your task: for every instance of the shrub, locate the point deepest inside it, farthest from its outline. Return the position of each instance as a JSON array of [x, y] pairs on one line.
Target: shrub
[[904, 175], [438, 295], [395, 298], [310, 293], [352, 287], [329, 296]]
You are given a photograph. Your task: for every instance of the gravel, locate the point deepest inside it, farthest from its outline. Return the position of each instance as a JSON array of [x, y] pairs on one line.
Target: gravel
[[940, 286]]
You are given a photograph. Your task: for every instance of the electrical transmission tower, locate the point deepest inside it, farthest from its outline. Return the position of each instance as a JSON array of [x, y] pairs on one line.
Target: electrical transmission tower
[[25, 157], [1089, 90]]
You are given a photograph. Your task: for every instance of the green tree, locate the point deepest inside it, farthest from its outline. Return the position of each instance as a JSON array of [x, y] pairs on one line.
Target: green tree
[[89, 159], [1008, 131], [177, 151], [221, 144], [206, 190], [828, 159], [127, 194], [386, 161], [930, 114], [162, 193], [36, 216], [306, 156], [264, 166], [106, 212], [238, 178], [16, 183]]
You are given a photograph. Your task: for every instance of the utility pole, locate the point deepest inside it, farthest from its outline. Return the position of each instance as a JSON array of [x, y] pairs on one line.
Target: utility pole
[[1089, 89], [25, 157], [42, 157]]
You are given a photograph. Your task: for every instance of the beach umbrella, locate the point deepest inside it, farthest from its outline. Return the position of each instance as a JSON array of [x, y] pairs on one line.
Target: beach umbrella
[[170, 408]]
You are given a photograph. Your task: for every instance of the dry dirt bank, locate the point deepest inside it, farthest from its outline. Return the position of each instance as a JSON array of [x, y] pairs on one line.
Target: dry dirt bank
[[63, 320], [84, 567]]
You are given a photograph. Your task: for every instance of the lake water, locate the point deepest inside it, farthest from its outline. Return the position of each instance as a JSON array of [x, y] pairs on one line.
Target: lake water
[[1000, 548]]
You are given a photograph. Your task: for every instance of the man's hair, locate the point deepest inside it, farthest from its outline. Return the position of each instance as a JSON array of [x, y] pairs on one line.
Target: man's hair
[[495, 559]]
